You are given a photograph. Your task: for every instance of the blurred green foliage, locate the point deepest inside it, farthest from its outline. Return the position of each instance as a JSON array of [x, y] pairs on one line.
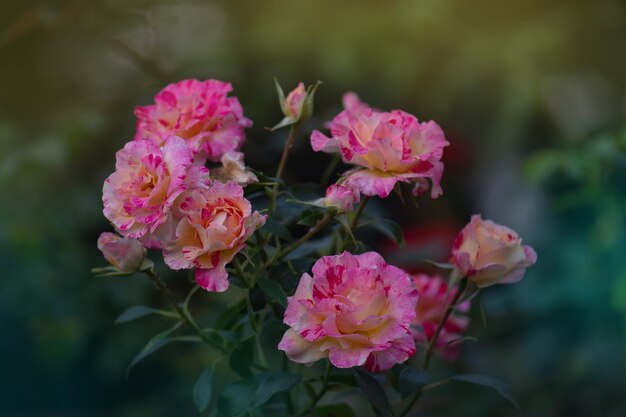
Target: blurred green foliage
[[531, 95]]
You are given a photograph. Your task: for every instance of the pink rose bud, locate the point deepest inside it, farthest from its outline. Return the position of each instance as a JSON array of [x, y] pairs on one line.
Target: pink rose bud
[[431, 307], [341, 198], [488, 253], [199, 112], [385, 148], [294, 101], [124, 253], [355, 310], [297, 106]]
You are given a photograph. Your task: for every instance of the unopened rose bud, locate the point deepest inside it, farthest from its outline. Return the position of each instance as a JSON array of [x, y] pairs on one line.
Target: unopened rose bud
[[341, 198], [124, 253], [297, 106], [294, 101], [488, 253]]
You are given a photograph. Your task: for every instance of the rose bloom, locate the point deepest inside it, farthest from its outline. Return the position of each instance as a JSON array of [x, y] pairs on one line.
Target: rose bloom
[[214, 224], [432, 304], [386, 147], [355, 309], [124, 253], [234, 169], [139, 195], [341, 198], [294, 101], [199, 112], [488, 253]]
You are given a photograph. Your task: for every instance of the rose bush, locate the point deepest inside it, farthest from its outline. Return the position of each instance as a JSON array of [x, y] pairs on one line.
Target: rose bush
[[181, 187]]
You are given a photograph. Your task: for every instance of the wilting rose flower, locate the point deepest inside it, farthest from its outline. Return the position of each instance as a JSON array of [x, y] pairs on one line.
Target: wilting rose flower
[[355, 310], [386, 147], [200, 112], [233, 168], [124, 253], [341, 198], [139, 195], [294, 102], [432, 304], [488, 253], [214, 224]]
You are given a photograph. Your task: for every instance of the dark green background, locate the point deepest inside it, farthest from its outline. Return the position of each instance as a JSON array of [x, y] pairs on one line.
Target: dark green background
[[531, 94]]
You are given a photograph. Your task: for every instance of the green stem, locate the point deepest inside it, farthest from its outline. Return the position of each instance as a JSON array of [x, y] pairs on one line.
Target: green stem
[[262, 359], [433, 341], [451, 307], [312, 232], [288, 399], [273, 192], [240, 272], [358, 213], [184, 315], [320, 394], [283, 159]]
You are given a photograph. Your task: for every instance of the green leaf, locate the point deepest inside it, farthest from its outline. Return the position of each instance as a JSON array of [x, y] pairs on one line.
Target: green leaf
[[265, 179], [231, 315], [412, 380], [310, 218], [481, 309], [459, 340], [251, 317], [286, 121], [222, 337], [248, 394], [110, 271], [387, 227], [440, 265], [270, 252], [335, 410], [373, 392], [202, 389], [154, 344], [288, 274], [280, 93], [307, 106], [503, 389], [273, 290], [137, 312], [277, 229], [242, 357]]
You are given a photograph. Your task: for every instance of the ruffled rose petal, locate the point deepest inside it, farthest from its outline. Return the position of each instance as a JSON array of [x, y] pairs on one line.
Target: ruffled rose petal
[[350, 308]]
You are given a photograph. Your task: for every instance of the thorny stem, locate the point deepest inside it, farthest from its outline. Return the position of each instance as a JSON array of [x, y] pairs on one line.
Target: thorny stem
[[164, 289], [431, 345]]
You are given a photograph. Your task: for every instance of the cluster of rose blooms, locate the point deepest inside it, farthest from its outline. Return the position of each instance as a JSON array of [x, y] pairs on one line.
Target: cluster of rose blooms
[[354, 309]]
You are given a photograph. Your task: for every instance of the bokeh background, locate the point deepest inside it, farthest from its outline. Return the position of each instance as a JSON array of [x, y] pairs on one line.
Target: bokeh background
[[531, 95]]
